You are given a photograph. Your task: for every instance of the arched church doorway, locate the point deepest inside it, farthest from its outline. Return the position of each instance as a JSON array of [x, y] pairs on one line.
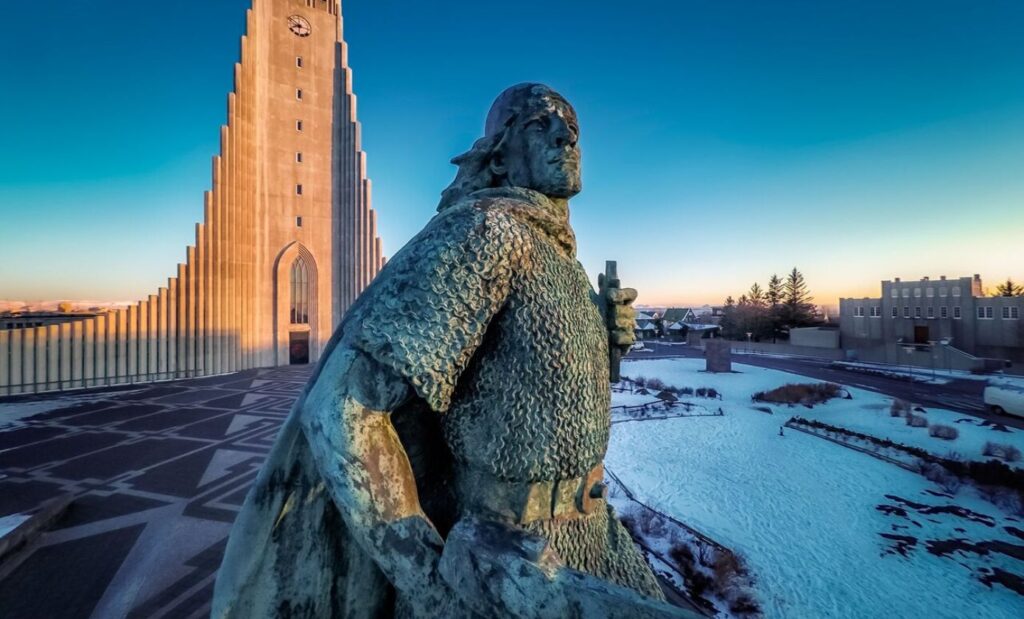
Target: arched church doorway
[[296, 300], [298, 313]]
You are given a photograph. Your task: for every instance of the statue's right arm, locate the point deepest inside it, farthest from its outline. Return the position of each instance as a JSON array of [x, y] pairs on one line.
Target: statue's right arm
[[347, 421]]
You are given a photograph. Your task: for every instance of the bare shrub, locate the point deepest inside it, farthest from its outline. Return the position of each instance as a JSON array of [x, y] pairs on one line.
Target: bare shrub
[[1009, 453], [655, 384], [732, 581], [697, 582], [899, 408], [946, 433], [916, 421], [1010, 500], [649, 523], [640, 381], [726, 566], [945, 480], [794, 393], [686, 391]]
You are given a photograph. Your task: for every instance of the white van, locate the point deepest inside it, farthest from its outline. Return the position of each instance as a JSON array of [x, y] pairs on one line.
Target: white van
[[1003, 397]]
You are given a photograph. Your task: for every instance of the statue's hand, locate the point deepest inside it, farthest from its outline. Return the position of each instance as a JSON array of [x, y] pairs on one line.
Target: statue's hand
[[622, 317], [499, 570]]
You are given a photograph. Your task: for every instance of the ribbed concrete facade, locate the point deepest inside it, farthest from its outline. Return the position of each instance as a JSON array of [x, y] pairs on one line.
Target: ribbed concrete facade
[[287, 242]]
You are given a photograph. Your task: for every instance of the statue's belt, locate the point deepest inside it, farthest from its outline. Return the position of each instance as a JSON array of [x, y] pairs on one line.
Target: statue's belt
[[522, 502]]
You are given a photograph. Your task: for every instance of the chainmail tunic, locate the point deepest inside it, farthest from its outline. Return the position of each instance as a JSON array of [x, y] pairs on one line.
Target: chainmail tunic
[[490, 317]]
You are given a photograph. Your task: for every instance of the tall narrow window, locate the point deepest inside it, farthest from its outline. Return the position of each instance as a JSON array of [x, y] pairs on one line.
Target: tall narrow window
[[300, 293], [298, 125], [298, 61], [298, 157], [298, 94], [298, 190]]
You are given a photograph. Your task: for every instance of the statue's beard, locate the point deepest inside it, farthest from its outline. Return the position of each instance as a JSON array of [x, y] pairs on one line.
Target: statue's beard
[[561, 178]]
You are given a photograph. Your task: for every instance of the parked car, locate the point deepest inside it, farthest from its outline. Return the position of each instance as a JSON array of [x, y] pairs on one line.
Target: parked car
[[1005, 398]]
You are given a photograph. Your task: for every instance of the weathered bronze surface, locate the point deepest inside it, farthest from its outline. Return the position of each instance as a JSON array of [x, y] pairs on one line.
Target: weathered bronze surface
[[446, 458]]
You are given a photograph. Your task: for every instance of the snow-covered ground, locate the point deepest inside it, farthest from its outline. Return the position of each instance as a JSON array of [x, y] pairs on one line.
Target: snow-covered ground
[[868, 413], [809, 515]]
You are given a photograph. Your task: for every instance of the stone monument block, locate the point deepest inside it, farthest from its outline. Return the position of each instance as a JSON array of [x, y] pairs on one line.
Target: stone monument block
[[719, 355]]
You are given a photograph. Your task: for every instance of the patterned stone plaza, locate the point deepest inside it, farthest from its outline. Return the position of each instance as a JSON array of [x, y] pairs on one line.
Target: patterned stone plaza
[[157, 474]]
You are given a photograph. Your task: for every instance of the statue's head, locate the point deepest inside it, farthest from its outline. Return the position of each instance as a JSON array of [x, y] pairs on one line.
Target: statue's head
[[531, 140]]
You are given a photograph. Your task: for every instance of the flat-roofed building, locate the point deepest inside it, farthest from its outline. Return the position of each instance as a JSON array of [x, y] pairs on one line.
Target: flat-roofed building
[[954, 312]]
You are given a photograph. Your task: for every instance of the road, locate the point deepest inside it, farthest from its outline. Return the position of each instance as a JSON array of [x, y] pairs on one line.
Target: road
[[960, 395]]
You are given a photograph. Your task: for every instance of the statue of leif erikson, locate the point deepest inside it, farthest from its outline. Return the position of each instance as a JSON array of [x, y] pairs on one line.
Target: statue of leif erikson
[[445, 459]]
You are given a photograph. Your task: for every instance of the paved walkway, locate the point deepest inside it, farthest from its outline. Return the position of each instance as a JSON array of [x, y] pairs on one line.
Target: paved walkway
[[159, 473]]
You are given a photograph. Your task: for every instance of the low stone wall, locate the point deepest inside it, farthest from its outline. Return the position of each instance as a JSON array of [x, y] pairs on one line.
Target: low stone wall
[[833, 354]]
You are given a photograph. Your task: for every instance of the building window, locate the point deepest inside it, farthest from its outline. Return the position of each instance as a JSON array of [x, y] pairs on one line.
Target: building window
[[298, 157], [300, 293], [298, 61], [298, 94], [943, 312], [1014, 313], [985, 312], [943, 292], [895, 312], [876, 312], [298, 125], [906, 312], [858, 312], [956, 312], [956, 291], [298, 221], [906, 293], [917, 293], [298, 190], [931, 312], [929, 292], [894, 293], [1006, 311], [917, 312]]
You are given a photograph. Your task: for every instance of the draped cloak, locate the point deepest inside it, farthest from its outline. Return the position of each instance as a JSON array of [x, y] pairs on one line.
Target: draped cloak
[[490, 319]]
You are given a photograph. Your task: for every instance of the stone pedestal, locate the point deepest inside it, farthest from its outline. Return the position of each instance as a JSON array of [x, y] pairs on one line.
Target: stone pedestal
[[719, 355]]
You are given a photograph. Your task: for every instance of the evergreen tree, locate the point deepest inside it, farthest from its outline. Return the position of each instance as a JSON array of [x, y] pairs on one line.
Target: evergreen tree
[[756, 295], [1009, 288], [774, 299], [728, 322], [774, 295], [796, 300]]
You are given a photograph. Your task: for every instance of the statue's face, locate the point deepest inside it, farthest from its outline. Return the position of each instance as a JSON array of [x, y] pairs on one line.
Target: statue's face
[[543, 153]]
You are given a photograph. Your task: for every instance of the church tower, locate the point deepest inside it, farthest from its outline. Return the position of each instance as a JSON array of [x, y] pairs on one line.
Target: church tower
[[290, 204], [287, 242]]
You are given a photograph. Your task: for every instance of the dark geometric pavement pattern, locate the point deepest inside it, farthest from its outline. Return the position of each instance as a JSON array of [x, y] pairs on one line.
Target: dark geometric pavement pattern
[[158, 474]]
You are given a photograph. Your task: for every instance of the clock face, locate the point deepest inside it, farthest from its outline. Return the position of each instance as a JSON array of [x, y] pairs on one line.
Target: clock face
[[298, 25]]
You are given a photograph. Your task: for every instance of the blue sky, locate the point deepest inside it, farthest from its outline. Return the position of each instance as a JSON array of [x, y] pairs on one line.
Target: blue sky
[[723, 141]]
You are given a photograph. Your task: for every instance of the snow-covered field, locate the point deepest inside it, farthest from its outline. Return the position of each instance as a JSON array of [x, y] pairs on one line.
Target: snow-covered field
[[809, 515]]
